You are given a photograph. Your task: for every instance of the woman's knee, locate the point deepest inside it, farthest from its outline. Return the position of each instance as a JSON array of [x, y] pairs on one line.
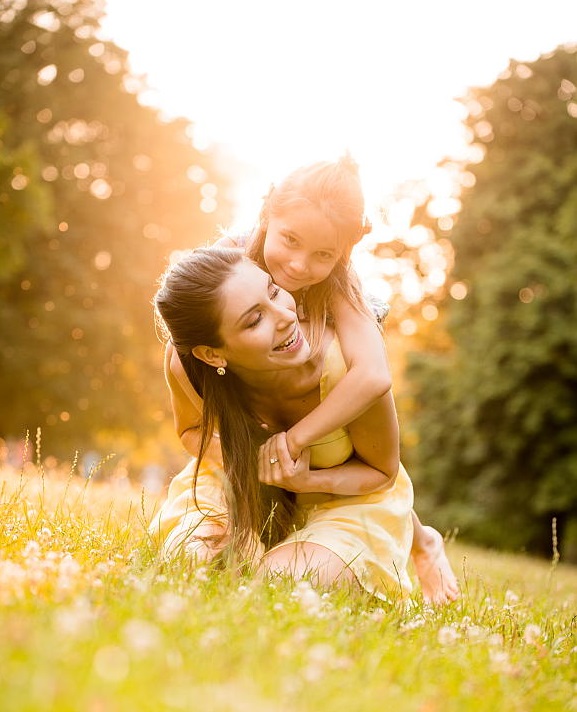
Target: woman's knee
[[305, 560]]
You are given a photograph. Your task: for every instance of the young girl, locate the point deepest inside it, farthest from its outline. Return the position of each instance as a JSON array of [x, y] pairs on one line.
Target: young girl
[[308, 227]]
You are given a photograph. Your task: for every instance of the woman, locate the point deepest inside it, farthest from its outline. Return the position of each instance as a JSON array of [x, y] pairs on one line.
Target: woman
[[331, 513]]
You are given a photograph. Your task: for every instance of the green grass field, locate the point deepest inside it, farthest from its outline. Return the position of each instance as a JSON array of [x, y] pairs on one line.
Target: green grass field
[[91, 621]]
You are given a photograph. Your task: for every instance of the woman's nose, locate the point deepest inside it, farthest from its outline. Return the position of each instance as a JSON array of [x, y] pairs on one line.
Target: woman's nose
[[284, 315]]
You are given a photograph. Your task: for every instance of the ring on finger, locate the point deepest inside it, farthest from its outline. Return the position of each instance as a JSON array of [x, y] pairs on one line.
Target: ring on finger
[[273, 460]]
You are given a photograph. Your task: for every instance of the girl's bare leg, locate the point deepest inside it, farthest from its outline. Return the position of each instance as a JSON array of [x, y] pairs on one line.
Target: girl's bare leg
[[438, 582], [307, 560]]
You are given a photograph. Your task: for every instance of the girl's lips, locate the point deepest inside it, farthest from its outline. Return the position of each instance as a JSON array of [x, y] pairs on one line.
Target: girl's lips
[[294, 282]]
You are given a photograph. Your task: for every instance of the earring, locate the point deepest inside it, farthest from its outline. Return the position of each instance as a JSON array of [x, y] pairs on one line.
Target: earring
[[221, 370]]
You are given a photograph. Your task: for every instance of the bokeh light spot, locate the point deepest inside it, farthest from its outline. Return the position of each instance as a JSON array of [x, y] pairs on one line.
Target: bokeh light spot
[[102, 260], [47, 75], [142, 162], [19, 182], [101, 189], [458, 291], [408, 327], [76, 75], [44, 116], [526, 295], [430, 312], [82, 170], [196, 174], [50, 173], [208, 205]]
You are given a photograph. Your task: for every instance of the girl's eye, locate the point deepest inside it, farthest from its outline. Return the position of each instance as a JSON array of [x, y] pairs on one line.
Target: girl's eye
[[325, 255], [275, 291], [290, 240]]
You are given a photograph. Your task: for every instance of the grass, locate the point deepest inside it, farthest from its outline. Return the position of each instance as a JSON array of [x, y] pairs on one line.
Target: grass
[[91, 621]]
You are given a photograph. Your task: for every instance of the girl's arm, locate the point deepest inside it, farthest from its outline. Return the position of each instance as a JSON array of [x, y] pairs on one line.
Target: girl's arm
[[368, 378], [353, 477], [375, 438], [186, 406]]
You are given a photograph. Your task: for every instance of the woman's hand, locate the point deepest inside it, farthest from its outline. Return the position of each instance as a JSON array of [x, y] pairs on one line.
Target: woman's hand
[[277, 468]]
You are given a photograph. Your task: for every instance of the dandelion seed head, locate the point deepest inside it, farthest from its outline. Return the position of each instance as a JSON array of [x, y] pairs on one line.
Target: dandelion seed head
[[170, 606], [511, 598], [417, 622], [141, 636], [210, 637], [447, 635], [76, 620], [532, 634], [475, 632], [31, 550], [111, 663], [201, 574], [377, 615]]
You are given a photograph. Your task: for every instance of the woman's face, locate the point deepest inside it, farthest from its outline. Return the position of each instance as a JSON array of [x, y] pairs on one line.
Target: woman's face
[[259, 327], [301, 248]]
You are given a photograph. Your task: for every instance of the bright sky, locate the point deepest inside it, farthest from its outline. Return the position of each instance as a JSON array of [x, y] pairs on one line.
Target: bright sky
[[285, 82]]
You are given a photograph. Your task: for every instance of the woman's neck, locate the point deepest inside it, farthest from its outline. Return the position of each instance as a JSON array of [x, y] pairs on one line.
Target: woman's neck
[[281, 398]]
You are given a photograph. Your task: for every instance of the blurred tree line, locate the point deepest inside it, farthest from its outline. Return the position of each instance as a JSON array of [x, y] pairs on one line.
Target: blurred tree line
[[492, 426], [95, 191]]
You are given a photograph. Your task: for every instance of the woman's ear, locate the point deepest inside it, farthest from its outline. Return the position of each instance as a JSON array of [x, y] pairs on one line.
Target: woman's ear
[[209, 355]]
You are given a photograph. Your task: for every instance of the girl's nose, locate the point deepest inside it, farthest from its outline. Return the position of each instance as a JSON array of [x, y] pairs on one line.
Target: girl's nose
[[298, 265]]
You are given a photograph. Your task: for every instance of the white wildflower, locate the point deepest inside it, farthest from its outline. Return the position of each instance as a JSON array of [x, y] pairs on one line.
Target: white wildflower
[[308, 598]]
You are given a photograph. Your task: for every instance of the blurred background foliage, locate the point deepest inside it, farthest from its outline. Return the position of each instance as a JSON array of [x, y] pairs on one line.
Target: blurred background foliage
[[480, 267], [491, 430], [95, 192]]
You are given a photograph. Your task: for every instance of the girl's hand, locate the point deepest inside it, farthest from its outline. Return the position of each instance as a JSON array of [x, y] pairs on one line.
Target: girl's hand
[[277, 468]]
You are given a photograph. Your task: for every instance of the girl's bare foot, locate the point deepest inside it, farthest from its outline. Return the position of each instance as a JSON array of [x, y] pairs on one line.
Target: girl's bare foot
[[438, 582]]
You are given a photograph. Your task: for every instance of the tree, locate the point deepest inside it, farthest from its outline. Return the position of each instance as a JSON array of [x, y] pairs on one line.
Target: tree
[[97, 190], [496, 423]]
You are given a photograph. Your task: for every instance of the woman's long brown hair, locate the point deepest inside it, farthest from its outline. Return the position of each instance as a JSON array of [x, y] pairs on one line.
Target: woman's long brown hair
[[188, 304]]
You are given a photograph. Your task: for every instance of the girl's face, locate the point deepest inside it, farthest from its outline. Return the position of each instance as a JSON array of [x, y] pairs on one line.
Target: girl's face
[[259, 328], [301, 248]]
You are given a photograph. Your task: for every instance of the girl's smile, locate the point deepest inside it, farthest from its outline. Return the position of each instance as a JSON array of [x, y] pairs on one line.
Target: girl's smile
[[301, 248]]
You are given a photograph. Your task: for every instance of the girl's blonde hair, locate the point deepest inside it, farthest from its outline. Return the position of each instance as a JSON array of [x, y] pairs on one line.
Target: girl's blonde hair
[[334, 188]]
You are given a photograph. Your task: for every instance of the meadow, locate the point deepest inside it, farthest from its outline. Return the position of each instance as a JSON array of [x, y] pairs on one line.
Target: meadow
[[92, 620]]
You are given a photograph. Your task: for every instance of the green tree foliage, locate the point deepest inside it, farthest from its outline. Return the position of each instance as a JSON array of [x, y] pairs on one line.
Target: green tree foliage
[[496, 422], [96, 190]]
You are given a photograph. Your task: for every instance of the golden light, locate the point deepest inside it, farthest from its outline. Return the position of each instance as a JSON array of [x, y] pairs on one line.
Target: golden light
[[281, 92]]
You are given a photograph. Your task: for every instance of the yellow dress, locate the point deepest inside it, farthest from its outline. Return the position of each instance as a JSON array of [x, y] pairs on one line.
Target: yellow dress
[[371, 533]]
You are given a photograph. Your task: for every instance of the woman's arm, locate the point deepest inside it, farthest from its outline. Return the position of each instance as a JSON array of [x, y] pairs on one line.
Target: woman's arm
[[353, 477], [368, 378], [186, 407]]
